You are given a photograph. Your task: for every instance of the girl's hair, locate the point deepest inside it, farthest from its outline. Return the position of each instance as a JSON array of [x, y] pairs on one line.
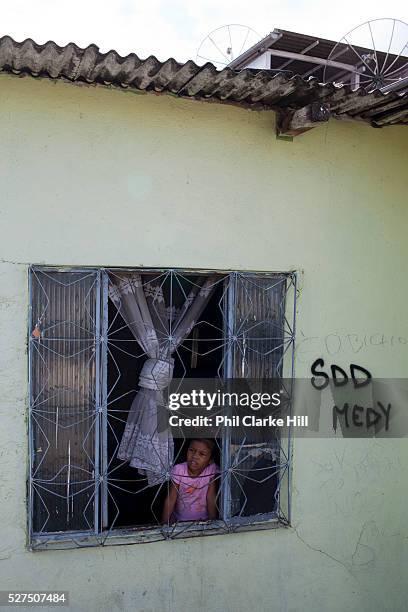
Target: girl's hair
[[210, 444]]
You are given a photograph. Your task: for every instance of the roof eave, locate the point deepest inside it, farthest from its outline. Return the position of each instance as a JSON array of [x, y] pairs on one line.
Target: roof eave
[[260, 47]]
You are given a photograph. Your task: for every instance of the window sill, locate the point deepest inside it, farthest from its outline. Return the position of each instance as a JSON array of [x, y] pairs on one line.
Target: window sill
[[139, 535]]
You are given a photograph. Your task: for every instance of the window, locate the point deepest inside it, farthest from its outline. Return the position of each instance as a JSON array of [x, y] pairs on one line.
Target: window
[[98, 474]]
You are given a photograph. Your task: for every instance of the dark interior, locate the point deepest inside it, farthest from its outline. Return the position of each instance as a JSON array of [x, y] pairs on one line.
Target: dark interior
[[130, 502]]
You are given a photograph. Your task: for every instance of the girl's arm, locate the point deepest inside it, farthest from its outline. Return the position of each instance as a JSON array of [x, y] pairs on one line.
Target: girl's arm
[[212, 501], [169, 503]]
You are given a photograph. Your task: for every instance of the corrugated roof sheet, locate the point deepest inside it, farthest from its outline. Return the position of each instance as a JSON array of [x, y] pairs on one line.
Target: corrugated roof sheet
[[250, 88], [316, 48]]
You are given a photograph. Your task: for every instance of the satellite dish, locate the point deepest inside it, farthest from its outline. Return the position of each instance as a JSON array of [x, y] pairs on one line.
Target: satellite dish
[[377, 52], [226, 43]]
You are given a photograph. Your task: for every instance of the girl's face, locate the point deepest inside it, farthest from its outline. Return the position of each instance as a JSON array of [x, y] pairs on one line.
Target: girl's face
[[198, 457]]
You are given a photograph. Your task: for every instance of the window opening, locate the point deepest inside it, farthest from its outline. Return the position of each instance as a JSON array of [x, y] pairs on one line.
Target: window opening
[[86, 358]]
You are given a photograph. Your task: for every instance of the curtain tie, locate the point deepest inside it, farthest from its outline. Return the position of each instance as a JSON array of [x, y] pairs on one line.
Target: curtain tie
[[156, 374]]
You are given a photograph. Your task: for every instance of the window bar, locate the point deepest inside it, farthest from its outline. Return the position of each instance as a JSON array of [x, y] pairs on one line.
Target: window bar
[[229, 329], [103, 414], [97, 349], [288, 489], [30, 395]]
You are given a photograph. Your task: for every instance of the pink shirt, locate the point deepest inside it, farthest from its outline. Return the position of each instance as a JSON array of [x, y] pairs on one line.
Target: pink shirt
[[191, 504]]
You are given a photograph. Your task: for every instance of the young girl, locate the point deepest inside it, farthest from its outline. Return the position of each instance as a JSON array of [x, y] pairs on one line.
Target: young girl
[[192, 494]]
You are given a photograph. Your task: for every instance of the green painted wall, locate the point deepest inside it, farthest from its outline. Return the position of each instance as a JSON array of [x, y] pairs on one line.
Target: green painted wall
[[92, 176]]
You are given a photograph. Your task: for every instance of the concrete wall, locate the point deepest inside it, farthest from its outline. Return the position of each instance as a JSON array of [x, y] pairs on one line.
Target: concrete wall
[[92, 176]]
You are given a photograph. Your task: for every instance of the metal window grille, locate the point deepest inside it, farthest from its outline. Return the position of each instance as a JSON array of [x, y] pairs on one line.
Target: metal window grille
[[83, 366]]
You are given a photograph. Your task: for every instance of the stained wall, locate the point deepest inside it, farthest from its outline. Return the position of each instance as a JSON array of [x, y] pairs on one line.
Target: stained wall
[[98, 177]]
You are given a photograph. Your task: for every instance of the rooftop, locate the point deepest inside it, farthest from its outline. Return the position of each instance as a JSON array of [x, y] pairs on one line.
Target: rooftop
[[327, 60], [301, 103]]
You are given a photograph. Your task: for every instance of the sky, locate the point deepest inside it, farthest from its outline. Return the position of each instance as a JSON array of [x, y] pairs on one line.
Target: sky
[[175, 28]]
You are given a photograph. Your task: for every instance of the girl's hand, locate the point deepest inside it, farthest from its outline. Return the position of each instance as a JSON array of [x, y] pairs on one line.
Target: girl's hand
[[212, 501], [169, 504]]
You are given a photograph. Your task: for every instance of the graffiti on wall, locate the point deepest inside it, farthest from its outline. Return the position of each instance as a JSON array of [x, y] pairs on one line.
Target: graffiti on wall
[[351, 413], [335, 343]]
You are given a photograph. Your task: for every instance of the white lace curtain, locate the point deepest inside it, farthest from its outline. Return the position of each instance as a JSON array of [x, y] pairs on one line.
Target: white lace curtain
[[159, 330]]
